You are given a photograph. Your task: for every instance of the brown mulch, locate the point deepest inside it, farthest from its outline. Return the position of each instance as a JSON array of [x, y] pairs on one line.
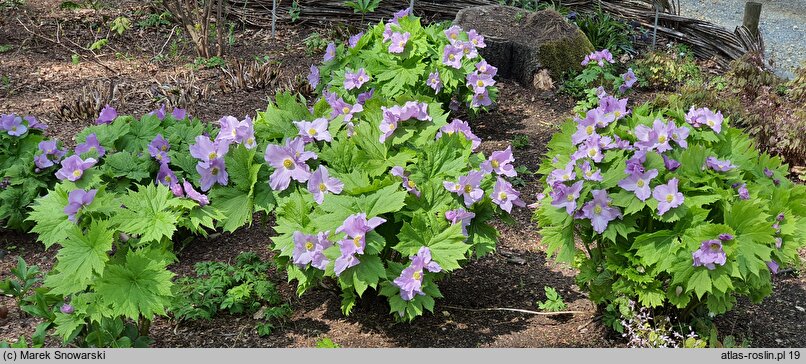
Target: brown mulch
[[42, 78]]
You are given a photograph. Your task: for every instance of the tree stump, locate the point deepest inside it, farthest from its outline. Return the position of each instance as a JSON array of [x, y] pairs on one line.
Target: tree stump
[[521, 43]]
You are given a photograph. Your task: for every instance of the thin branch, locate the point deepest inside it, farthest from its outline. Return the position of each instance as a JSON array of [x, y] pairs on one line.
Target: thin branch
[[94, 57], [515, 310]]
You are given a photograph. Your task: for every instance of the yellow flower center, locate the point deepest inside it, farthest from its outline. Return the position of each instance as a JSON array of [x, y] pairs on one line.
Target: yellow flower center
[[214, 171], [661, 139], [483, 69], [308, 245], [592, 152], [566, 176], [212, 155], [669, 197], [502, 195], [617, 113], [710, 122], [640, 183], [345, 110], [468, 188], [597, 209], [392, 126], [589, 173], [402, 43], [357, 241], [168, 179], [288, 164], [475, 41], [164, 148], [589, 129], [234, 132], [361, 79], [453, 36], [466, 50], [77, 173], [159, 157], [714, 247], [411, 184], [417, 275], [311, 131], [569, 198], [494, 163], [451, 57], [479, 83], [322, 187], [250, 141]]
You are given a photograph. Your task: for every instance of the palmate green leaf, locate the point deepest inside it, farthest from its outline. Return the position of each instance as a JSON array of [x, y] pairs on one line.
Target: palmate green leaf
[[444, 159], [140, 134], [233, 203], [140, 287], [396, 78], [68, 326], [51, 222], [700, 282], [147, 213], [107, 134], [236, 200], [656, 248], [14, 202], [388, 199], [81, 259], [557, 231], [275, 123], [181, 133], [126, 164], [366, 274]]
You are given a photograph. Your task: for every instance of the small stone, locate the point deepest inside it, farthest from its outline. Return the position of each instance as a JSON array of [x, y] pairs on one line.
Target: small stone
[[444, 329], [801, 309], [446, 313], [779, 341]]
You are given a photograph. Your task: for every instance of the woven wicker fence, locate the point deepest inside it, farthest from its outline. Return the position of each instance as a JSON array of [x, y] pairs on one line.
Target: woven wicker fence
[[706, 40]]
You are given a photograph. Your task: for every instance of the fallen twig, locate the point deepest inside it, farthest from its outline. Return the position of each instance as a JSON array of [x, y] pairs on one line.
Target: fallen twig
[[94, 57], [515, 310]]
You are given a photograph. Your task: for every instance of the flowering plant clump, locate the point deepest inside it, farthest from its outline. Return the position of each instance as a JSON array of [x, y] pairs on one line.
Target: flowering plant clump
[[684, 210], [599, 77], [27, 163], [401, 57]]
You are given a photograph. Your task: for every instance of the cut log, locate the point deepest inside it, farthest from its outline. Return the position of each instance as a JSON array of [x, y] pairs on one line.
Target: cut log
[[521, 43]]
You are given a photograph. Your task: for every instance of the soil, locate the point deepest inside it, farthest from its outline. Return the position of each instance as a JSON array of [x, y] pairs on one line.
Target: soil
[[42, 78]]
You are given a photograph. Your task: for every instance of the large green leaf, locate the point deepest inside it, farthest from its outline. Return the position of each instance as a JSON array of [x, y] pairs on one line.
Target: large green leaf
[[81, 259], [140, 287], [147, 213]]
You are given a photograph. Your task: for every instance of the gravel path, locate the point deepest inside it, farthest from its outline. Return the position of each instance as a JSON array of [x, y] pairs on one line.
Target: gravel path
[[783, 24]]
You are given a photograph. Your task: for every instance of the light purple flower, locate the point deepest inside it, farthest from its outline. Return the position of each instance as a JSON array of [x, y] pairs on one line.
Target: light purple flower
[[591, 149], [462, 127], [206, 150], [500, 163], [179, 114], [229, 130], [13, 125], [48, 147], [166, 176], [452, 56], [667, 196], [434, 81], [709, 254], [478, 82], [468, 187], [245, 133], [364, 96], [780, 217], [460, 216], [779, 242], [67, 309], [639, 183], [309, 249], [107, 115], [486, 68], [562, 174], [408, 184], [73, 168], [636, 163], [719, 165], [321, 182], [768, 172], [159, 113], [410, 280], [158, 148], [613, 108], [481, 99], [565, 196], [388, 126], [330, 52], [91, 144], [212, 172], [399, 42], [773, 266], [670, 164], [177, 190], [453, 33], [589, 173], [600, 211], [704, 116], [399, 15], [468, 50], [41, 161], [475, 38], [725, 237], [629, 80], [505, 196], [744, 194], [342, 108], [195, 195], [599, 57], [353, 41], [77, 199], [347, 258], [33, 123], [356, 227], [288, 162], [355, 80], [585, 127], [314, 130], [313, 77]]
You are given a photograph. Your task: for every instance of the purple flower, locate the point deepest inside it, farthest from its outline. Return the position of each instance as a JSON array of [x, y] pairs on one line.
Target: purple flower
[[73, 168], [589, 174], [725, 237], [744, 194], [768, 172], [77, 199], [353, 41], [399, 42], [679, 135], [600, 211], [773, 266], [564, 196], [179, 114], [330, 52], [460, 216], [719, 165], [229, 130], [314, 130], [48, 147], [177, 190], [591, 149], [585, 127], [159, 113], [400, 14], [667, 196], [364, 96], [245, 133], [356, 227], [486, 68], [313, 77], [468, 50], [13, 125], [309, 249], [453, 33], [41, 161], [475, 38], [195, 195], [639, 183], [562, 175], [704, 116], [321, 182], [481, 99], [107, 116], [342, 108], [505, 196], [468, 187], [206, 150], [709, 254], [462, 127], [452, 56], [478, 82], [629, 80], [408, 184], [388, 126], [780, 217], [636, 163], [67, 309], [212, 172], [288, 162], [355, 80], [410, 280], [91, 144], [670, 164], [166, 176], [158, 148], [347, 258], [33, 123], [779, 242], [434, 81], [500, 163], [656, 138]]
